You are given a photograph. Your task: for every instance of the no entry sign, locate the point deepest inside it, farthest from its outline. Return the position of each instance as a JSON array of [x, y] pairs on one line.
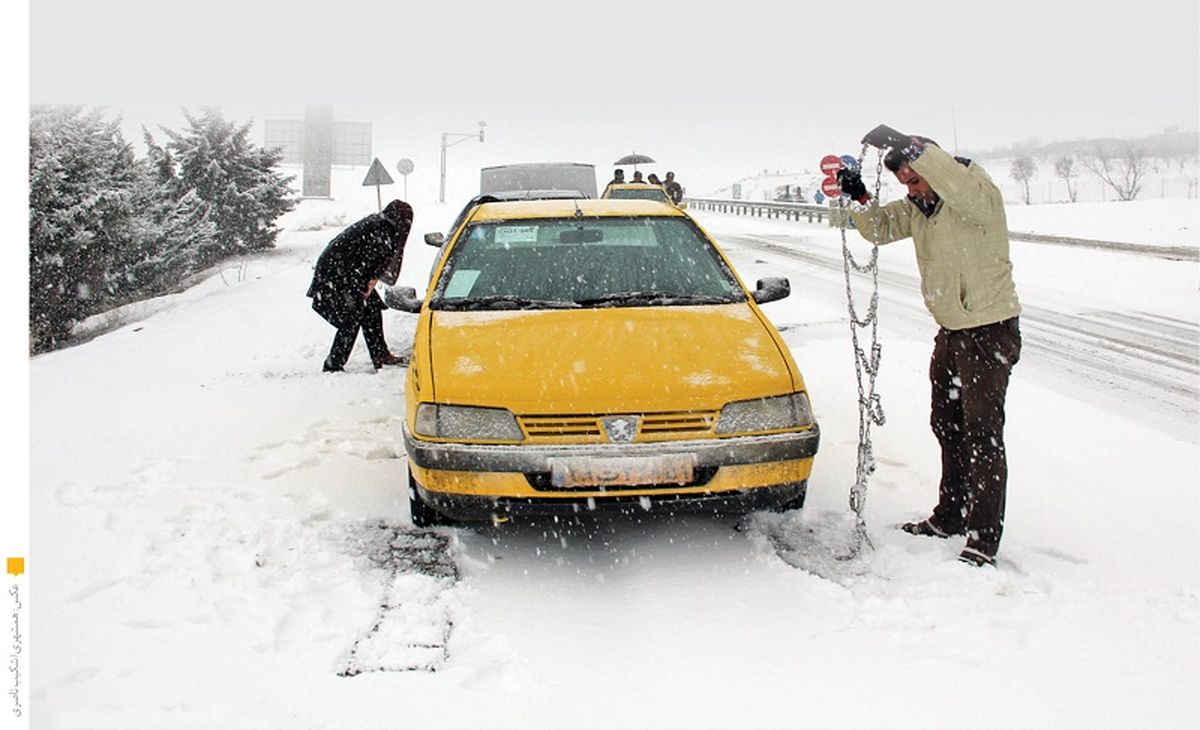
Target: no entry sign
[[830, 187], [830, 164]]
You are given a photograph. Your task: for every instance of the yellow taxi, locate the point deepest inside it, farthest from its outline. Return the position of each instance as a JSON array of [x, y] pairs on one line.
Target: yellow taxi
[[586, 355], [638, 191]]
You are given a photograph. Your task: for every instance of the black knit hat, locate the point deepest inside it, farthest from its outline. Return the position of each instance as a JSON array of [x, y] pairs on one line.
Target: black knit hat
[[399, 211], [903, 155]]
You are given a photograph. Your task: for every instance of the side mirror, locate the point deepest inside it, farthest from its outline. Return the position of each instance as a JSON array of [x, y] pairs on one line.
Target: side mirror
[[403, 298], [772, 288], [435, 239]]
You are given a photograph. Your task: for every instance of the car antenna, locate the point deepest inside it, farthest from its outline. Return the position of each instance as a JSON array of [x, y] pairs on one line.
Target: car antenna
[[578, 215]]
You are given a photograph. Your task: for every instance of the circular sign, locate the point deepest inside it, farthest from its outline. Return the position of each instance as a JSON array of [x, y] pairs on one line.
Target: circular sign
[[849, 162], [405, 166], [830, 164], [830, 187]]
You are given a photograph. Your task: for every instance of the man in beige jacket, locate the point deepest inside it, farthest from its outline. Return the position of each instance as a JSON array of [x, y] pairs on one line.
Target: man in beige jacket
[[955, 215]]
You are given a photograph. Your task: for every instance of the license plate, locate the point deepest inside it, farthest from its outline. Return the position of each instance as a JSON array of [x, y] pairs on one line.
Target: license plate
[[588, 471]]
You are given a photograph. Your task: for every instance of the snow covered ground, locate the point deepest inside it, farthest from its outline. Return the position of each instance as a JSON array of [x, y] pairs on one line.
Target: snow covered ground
[[1155, 222], [220, 531]]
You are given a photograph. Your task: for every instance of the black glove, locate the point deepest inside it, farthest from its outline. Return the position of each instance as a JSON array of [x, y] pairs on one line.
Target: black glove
[[884, 136], [852, 185]]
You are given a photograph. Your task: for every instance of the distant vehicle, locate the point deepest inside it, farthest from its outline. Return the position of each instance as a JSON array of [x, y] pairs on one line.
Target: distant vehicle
[[580, 355], [789, 194], [639, 191], [577, 176]]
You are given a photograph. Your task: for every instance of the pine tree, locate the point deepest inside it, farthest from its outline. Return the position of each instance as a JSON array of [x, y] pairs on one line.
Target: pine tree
[[234, 181], [82, 176], [167, 242], [106, 228]]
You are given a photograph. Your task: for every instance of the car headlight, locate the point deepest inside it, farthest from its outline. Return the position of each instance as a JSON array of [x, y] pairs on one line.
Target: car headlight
[[466, 422], [765, 414]]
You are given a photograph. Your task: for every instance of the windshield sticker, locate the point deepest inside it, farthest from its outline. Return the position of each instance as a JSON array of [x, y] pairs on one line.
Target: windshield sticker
[[516, 234], [460, 283]]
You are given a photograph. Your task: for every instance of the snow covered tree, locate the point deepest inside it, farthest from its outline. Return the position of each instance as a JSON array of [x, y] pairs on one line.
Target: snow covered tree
[[170, 238], [1122, 168], [1022, 171], [82, 176], [233, 181], [1064, 167], [106, 228]]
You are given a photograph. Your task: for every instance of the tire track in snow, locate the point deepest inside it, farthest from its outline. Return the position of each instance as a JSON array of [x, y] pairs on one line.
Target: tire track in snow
[[412, 629]]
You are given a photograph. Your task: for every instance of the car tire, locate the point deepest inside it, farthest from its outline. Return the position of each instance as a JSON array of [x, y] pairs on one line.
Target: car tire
[[796, 502], [423, 515]]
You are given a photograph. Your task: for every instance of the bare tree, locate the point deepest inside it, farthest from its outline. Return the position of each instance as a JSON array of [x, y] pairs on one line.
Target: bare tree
[[1064, 167], [1122, 169], [1182, 157], [1022, 170]]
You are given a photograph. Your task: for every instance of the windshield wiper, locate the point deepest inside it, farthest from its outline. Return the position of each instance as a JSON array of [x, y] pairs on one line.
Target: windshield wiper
[[505, 301], [636, 298]]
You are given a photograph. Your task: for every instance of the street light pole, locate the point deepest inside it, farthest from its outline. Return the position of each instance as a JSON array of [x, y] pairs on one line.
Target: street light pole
[[459, 137]]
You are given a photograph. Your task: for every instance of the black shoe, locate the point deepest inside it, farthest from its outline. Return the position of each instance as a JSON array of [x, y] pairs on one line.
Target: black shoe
[[971, 556], [390, 359], [925, 528], [328, 368]]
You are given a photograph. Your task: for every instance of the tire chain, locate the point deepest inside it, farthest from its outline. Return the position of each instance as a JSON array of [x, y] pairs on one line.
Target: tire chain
[[870, 407]]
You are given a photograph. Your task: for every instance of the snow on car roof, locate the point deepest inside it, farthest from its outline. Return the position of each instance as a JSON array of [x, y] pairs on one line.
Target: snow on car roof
[[566, 208]]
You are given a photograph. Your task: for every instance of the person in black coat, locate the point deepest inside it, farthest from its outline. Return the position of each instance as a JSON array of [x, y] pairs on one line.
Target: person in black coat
[[344, 278], [674, 189]]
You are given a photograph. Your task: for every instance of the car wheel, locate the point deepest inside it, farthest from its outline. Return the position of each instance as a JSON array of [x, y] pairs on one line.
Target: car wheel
[[422, 514], [796, 502]]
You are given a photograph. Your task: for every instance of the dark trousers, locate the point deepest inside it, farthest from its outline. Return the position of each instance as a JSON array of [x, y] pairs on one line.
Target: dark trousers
[[969, 374], [368, 318]]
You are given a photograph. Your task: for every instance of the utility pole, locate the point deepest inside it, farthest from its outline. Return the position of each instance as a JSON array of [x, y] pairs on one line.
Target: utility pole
[[459, 137], [954, 126]]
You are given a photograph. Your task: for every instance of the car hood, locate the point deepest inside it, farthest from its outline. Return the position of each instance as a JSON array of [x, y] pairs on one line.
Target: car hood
[[607, 359]]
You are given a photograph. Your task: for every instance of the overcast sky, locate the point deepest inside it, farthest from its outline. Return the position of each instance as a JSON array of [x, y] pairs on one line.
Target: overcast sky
[[713, 94]]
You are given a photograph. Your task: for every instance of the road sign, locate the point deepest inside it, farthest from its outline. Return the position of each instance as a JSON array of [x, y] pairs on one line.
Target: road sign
[[377, 175], [830, 187], [830, 164], [849, 162], [404, 167]]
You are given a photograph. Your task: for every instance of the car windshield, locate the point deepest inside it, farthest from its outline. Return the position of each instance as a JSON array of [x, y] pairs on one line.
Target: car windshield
[[646, 193], [593, 262]]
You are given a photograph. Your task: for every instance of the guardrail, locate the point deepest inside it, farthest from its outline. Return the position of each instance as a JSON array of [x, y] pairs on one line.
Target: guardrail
[[1177, 253], [770, 209], [762, 208]]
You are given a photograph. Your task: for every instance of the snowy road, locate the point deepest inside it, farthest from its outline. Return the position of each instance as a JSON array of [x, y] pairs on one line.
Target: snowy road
[[1138, 361], [221, 538]]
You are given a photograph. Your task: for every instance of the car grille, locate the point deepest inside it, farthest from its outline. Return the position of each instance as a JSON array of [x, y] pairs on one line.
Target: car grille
[[589, 428]]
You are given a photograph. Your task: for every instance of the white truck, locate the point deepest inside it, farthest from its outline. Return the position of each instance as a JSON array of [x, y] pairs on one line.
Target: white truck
[[539, 176]]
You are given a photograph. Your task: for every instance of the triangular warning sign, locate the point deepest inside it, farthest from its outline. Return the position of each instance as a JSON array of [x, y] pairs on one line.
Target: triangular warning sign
[[377, 175]]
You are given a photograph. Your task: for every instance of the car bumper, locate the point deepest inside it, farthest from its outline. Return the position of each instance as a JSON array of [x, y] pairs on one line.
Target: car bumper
[[737, 474], [472, 507], [521, 458]]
